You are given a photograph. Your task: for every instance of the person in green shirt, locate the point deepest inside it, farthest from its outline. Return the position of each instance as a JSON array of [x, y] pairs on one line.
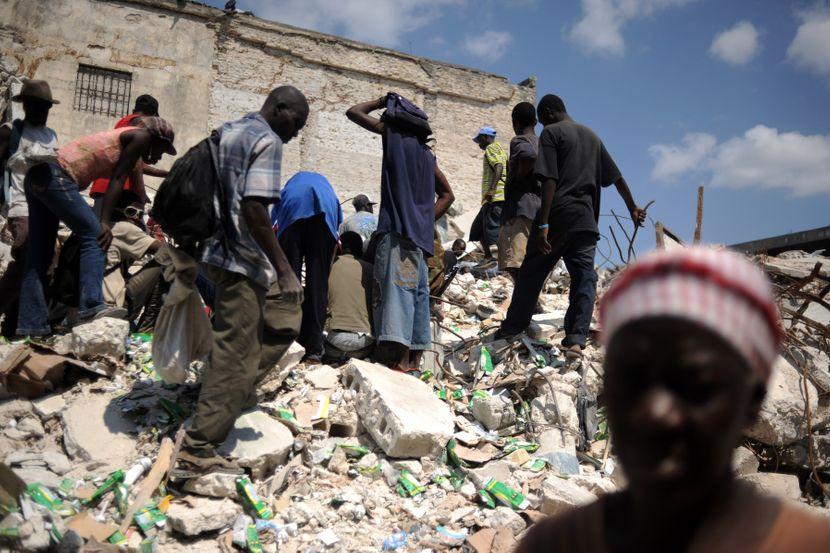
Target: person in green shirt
[[487, 223]]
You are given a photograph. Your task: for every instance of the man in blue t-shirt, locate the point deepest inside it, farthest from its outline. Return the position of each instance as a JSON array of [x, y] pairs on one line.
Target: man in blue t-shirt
[[307, 219], [410, 180]]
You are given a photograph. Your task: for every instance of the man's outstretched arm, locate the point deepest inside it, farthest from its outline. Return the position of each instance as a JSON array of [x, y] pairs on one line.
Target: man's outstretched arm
[[255, 214], [444, 192], [360, 114]]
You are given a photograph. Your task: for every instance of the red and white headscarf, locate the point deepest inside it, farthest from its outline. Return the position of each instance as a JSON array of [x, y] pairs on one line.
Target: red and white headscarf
[[719, 290]]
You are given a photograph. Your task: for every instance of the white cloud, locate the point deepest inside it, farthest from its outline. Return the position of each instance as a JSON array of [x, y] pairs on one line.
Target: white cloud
[[672, 160], [763, 157], [488, 45], [810, 49], [736, 45], [600, 29], [381, 22]]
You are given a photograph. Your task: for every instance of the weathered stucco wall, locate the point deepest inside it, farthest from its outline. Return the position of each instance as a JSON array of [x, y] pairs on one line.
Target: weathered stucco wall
[[206, 68]]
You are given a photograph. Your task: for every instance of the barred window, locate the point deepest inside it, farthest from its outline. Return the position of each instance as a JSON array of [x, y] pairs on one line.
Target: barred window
[[102, 91]]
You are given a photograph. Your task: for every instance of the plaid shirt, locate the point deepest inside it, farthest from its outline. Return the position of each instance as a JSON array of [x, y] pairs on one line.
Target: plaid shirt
[[250, 159]]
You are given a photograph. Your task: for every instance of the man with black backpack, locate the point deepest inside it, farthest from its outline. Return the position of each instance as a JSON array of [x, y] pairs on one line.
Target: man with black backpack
[[16, 149], [248, 267]]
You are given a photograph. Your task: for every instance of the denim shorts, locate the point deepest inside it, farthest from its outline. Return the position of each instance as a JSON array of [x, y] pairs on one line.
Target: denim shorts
[[401, 293]]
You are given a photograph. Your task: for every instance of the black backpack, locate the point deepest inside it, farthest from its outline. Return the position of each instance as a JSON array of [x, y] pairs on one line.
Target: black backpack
[[184, 204]]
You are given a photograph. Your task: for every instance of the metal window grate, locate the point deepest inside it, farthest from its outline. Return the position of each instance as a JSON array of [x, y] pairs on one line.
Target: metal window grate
[[102, 91]]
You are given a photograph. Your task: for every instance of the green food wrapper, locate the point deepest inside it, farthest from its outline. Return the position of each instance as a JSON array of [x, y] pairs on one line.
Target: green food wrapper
[[408, 485], [254, 545], [252, 500], [354, 451], [506, 495]]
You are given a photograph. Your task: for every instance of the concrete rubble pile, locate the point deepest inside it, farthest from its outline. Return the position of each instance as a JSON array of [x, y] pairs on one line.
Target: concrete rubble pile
[[489, 438]]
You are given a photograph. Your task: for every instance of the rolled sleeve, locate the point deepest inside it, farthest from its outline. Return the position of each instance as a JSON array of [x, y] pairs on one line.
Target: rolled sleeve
[[263, 177], [547, 162], [131, 242]]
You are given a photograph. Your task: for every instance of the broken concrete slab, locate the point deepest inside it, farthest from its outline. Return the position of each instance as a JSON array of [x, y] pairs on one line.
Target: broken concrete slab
[[95, 430], [784, 486], [102, 338], [214, 484], [323, 377], [401, 413], [744, 461], [258, 441], [49, 406], [276, 376], [494, 411], [14, 409], [781, 420], [505, 517], [195, 515], [559, 495], [55, 460]]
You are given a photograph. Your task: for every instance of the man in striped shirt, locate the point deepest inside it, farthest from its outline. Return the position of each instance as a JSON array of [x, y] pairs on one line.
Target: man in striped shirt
[[487, 223]]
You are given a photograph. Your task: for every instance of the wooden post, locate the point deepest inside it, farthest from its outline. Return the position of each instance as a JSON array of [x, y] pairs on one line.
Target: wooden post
[[661, 241], [699, 223]]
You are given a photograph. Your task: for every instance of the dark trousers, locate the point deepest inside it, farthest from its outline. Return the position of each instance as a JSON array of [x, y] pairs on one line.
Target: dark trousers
[[578, 250], [57, 201], [309, 241], [12, 279], [253, 328]]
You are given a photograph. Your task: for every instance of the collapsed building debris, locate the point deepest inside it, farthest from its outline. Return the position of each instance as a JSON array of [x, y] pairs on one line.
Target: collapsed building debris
[[468, 454]]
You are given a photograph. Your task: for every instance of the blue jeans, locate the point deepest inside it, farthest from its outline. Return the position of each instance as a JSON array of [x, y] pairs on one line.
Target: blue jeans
[[401, 293], [577, 249], [59, 201]]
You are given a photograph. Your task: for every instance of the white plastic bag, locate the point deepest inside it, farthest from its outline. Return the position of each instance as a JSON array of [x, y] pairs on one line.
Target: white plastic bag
[[182, 333]]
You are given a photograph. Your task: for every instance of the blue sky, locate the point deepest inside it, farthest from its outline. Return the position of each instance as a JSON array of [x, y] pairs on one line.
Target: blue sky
[[733, 95]]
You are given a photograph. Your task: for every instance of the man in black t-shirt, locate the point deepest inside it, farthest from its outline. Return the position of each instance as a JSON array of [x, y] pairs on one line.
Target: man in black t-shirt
[[573, 166]]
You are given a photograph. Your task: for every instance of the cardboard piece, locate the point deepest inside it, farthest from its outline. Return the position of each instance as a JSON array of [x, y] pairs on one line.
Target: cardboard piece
[[85, 525], [30, 370], [475, 455], [482, 541]]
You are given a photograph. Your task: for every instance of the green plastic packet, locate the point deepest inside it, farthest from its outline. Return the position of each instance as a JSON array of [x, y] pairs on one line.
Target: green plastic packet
[[11, 532], [370, 471], [286, 414], [442, 394], [425, 376], [252, 500], [122, 498], [408, 485], [55, 533], [506, 495], [354, 451], [457, 478], [148, 517], [452, 456], [486, 499], [41, 495], [537, 464], [485, 361], [118, 538], [149, 545], [513, 444], [458, 394], [109, 484], [253, 543], [67, 486]]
